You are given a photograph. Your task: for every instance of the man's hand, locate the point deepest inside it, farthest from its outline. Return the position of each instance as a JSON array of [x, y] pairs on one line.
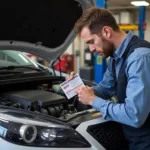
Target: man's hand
[[70, 76], [86, 95]]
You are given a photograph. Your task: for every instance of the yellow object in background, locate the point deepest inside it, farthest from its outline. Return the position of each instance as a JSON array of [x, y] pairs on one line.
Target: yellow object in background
[[129, 27]]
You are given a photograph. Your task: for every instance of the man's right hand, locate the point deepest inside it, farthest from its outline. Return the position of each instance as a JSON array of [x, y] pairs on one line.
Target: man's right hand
[[70, 76]]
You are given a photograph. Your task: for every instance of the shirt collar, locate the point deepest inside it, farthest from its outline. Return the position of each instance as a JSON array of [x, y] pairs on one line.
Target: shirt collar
[[122, 47]]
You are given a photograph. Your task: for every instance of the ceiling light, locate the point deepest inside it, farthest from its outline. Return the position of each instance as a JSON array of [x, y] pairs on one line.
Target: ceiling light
[[140, 3]]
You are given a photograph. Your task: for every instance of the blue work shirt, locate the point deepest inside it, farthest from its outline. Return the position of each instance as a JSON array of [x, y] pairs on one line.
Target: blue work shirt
[[137, 102]]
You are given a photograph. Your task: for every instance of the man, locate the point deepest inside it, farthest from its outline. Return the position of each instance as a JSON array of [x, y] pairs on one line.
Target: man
[[127, 75]]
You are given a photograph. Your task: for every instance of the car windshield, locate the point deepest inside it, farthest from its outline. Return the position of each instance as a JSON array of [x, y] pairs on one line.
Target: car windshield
[[15, 58]]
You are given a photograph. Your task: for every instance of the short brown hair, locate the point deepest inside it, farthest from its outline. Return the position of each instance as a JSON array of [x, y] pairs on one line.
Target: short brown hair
[[95, 19]]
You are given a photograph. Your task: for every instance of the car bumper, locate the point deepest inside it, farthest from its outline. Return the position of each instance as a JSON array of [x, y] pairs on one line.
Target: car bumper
[[82, 129]]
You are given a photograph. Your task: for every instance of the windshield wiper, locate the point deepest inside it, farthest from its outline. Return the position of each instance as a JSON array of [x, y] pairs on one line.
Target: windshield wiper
[[14, 67], [10, 72]]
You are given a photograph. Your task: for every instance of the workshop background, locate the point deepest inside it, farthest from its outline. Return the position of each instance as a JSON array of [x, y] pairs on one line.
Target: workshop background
[[90, 66]]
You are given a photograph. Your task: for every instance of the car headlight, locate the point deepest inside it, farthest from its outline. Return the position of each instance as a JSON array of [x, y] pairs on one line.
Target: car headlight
[[31, 132]]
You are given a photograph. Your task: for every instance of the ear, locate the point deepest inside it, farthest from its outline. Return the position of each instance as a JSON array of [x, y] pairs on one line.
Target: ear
[[106, 32]]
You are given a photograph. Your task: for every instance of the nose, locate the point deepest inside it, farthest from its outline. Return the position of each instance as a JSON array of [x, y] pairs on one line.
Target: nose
[[92, 48]]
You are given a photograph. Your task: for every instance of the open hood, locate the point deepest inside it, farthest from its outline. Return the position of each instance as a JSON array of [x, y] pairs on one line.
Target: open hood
[[40, 27]]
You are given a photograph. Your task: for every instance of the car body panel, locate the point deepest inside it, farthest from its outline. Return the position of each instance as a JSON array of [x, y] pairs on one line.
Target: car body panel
[[43, 28]]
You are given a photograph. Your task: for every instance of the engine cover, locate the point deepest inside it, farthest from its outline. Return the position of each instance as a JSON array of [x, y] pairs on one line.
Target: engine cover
[[29, 98]]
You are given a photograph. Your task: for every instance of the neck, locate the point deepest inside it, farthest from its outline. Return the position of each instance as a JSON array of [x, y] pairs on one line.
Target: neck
[[118, 38]]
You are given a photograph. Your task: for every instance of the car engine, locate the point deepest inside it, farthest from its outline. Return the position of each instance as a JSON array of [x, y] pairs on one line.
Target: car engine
[[40, 97], [37, 101]]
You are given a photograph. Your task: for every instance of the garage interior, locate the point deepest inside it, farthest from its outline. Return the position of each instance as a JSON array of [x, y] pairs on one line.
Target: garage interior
[[35, 112]]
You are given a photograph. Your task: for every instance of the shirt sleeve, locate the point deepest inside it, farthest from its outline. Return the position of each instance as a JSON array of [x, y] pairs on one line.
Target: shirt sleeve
[[137, 103]]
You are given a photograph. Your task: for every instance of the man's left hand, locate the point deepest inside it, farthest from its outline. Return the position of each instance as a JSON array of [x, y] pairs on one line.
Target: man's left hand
[[86, 95]]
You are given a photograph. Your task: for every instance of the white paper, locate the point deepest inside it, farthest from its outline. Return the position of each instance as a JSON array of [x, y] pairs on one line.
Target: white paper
[[70, 86]]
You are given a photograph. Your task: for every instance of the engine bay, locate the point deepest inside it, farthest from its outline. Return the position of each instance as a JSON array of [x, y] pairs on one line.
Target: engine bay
[[43, 96]]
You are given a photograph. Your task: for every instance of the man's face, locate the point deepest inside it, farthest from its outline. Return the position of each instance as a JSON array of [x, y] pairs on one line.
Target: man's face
[[97, 43]]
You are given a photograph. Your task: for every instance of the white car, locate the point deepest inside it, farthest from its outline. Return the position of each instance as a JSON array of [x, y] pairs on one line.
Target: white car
[[34, 112]]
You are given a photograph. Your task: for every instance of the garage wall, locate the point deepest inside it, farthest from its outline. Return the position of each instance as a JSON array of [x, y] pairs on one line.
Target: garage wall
[[135, 19]]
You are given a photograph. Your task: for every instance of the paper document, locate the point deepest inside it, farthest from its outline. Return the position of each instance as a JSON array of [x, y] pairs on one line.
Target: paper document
[[70, 86]]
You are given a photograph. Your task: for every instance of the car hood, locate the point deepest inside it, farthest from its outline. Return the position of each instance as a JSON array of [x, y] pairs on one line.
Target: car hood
[[40, 27]]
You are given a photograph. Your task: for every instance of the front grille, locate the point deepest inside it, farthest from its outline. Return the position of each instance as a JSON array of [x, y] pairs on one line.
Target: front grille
[[109, 135]]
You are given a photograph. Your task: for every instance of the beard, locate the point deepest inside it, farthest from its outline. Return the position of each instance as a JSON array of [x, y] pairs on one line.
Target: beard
[[108, 48]]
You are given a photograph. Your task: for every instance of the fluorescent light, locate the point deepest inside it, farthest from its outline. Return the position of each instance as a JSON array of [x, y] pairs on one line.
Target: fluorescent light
[[140, 3]]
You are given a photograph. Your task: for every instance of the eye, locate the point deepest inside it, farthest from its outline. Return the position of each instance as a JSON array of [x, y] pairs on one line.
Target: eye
[[91, 42]]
